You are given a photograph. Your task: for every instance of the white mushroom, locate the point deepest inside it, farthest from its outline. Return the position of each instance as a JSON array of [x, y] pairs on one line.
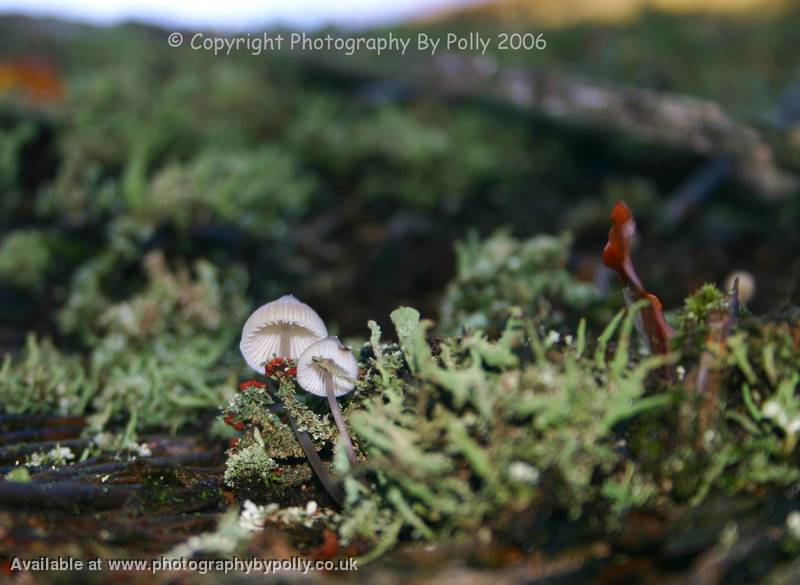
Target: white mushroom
[[282, 328], [327, 364], [329, 368]]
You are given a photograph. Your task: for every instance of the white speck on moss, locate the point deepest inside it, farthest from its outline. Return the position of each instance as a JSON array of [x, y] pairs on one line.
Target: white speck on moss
[[793, 524], [552, 338], [522, 472], [252, 517], [58, 455]]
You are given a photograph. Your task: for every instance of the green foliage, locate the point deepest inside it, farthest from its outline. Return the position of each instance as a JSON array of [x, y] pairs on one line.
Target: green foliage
[[13, 141], [463, 433], [158, 355], [256, 191], [268, 437], [501, 272], [766, 361], [749, 422], [43, 380], [154, 359], [471, 435], [25, 258], [423, 159]]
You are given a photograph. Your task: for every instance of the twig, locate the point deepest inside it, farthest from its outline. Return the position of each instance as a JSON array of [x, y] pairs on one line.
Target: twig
[[44, 434], [695, 190], [66, 496], [698, 125], [150, 463]]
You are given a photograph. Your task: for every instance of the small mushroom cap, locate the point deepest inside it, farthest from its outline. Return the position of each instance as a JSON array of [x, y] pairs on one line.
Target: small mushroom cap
[[324, 361], [282, 328]]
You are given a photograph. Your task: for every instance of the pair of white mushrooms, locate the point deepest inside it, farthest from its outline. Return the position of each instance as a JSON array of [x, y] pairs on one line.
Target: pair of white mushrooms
[[290, 329]]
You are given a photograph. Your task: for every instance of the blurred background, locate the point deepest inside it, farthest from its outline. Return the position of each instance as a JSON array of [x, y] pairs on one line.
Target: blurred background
[[349, 180]]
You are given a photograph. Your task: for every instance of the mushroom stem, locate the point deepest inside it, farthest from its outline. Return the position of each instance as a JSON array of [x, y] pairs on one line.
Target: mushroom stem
[[336, 411], [285, 343], [317, 465], [324, 476]]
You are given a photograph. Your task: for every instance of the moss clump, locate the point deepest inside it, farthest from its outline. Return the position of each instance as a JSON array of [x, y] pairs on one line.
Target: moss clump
[[476, 432], [250, 460], [698, 307], [257, 191], [465, 433], [44, 380], [25, 258], [154, 360], [500, 273]]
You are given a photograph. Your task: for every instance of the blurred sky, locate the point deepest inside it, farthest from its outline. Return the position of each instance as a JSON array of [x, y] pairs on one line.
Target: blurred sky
[[233, 14]]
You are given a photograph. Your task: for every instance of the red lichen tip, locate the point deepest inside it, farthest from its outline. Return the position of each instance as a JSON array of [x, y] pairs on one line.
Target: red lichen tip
[[275, 366], [247, 384]]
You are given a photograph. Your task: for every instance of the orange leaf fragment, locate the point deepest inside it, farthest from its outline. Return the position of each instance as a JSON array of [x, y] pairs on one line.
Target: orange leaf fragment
[[34, 77], [617, 256]]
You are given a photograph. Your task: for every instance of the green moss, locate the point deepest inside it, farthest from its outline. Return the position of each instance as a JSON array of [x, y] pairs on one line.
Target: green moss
[[25, 258], [19, 474], [700, 304]]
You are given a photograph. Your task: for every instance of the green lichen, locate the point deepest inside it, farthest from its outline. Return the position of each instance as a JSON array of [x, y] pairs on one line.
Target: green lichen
[[465, 433], [44, 380], [469, 437], [250, 461], [154, 359], [497, 274]]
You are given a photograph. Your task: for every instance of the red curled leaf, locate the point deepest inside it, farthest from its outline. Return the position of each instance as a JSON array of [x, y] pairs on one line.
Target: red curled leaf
[[617, 256]]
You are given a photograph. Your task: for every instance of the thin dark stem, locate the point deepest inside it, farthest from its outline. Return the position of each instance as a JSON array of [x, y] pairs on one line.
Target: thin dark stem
[[339, 419], [317, 465], [734, 305]]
